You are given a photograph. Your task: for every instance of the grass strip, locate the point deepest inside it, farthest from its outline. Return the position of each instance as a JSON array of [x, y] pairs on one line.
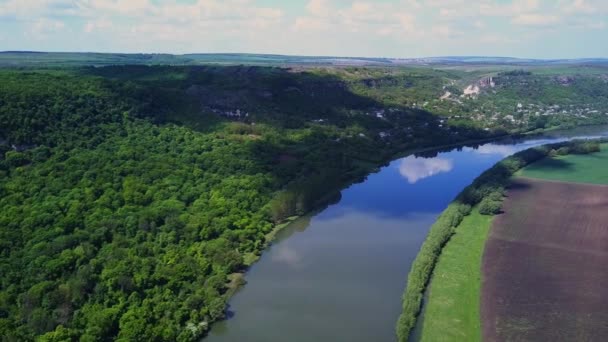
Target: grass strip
[[452, 309]]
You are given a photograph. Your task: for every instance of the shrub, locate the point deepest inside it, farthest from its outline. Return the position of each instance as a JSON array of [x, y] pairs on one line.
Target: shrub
[[562, 151], [16, 159], [496, 196], [423, 265], [585, 147], [489, 207]]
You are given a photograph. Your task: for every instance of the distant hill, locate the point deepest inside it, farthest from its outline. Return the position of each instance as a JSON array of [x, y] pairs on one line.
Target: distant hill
[[33, 58]]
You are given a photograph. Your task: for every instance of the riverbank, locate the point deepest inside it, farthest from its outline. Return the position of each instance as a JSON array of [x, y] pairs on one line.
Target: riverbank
[[445, 236], [453, 300], [345, 265], [238, 280]]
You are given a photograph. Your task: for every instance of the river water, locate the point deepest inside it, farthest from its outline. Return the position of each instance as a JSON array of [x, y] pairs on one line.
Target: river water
[[338, 275]]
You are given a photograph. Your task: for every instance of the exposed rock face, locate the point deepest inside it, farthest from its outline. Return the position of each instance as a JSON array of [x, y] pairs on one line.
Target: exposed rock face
[[565, 80], [487, 82], [22, 147], [471, 90]]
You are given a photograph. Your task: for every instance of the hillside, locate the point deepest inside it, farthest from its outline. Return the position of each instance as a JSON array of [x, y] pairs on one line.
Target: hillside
[[131, 194]]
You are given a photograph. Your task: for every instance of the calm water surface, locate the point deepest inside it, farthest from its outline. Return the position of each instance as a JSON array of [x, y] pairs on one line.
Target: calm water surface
[[338, 275]]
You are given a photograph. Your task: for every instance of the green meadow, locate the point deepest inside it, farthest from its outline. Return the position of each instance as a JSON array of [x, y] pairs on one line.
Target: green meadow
[[454, 295], [576, 168]]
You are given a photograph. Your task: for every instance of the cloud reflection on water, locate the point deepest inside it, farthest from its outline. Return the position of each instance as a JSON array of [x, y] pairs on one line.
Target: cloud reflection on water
[[502, 150], [287, 255], [365, 232], [415, 169]]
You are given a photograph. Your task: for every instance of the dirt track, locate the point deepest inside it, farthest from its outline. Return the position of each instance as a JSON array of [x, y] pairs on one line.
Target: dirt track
[[545, 265]]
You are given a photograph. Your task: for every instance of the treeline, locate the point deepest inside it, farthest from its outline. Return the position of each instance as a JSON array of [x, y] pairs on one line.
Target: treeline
[[520, 72], [581, 148], [487, 192], [54, 108]]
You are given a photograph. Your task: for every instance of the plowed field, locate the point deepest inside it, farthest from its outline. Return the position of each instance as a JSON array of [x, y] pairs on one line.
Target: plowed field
[[545, 265]]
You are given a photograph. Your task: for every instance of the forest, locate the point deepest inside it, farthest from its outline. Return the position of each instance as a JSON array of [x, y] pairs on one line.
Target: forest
[[130, 195], [127, 197]]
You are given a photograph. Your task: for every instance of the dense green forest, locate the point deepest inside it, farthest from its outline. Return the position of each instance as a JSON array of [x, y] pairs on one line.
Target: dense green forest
[[128, 197], [130, 194]]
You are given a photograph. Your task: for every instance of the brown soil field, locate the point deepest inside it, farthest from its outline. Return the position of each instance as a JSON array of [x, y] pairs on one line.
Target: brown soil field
[[545, 264]]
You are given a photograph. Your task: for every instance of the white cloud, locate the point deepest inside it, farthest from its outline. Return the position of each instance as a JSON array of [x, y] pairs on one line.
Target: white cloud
[[454, 9], [360, 17], [141, 24], [597, 26], [17, 7], [130, 7], [318, 8], [34, 9], [514, 8], [535, 20], [415, 169], [39, 29], [449, 13], [493, 38], [396, 28], [98, 25], [478, 24], [580, 6], [446, 32], [201, 10], [307, 24], [585, 24]]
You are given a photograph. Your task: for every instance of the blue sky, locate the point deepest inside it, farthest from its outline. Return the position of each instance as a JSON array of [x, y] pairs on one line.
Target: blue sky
[[366, 28]]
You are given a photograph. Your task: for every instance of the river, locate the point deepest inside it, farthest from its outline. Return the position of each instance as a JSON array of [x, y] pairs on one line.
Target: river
[[338, 275]]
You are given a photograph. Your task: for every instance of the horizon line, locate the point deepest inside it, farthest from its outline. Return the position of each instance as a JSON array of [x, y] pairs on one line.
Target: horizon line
[[306, 56]]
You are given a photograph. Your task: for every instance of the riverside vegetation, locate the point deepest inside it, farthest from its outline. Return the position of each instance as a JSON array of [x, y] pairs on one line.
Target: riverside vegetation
[[129, 195], [483, 197]]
